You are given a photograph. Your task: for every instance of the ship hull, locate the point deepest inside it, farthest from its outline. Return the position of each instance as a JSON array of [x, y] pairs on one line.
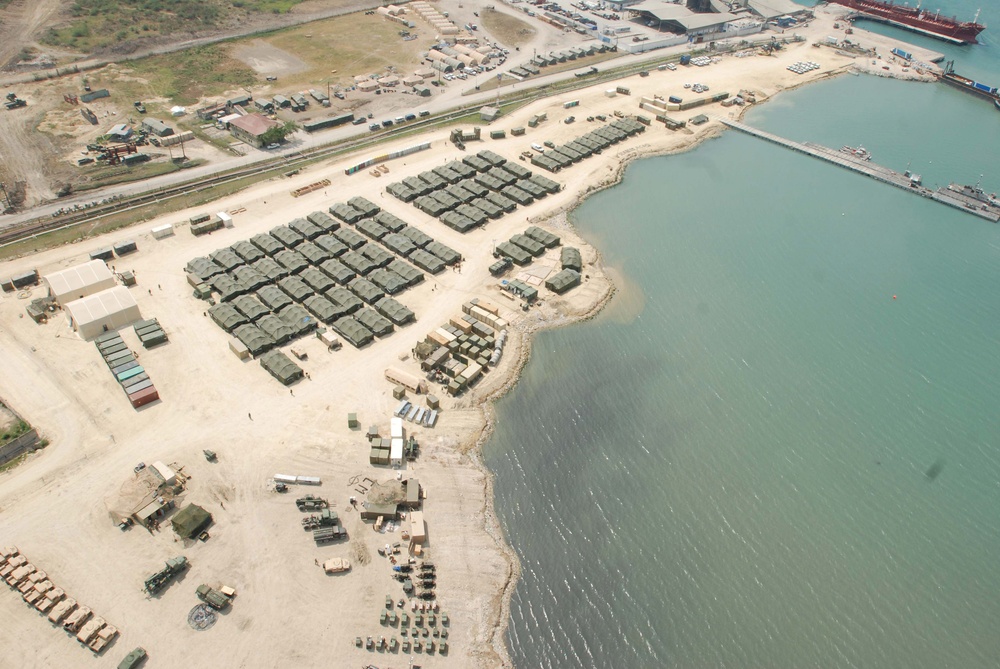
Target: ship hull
[[921, 21]]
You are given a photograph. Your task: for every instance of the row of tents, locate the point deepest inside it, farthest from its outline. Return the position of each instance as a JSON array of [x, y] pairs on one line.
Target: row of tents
[[465, 195], [586, 145]]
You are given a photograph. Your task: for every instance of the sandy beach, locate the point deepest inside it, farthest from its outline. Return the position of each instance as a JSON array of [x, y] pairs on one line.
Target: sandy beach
[[58, 506]]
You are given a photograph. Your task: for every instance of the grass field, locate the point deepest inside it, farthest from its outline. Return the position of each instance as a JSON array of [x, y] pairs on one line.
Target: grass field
[[507, 28], [333, 49], [329, 48], [100, 24], [186, 76]]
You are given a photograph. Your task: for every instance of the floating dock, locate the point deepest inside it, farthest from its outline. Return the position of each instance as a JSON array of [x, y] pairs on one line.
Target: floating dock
[[848, 161]]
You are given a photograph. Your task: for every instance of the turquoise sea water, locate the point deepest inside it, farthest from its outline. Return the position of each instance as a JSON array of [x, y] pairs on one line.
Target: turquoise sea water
[[728, 467]]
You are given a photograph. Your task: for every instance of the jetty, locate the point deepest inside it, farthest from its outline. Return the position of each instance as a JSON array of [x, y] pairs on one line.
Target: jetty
[[860, 164]]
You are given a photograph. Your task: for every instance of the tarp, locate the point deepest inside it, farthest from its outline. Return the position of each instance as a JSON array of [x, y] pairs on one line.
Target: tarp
[[190, 520]]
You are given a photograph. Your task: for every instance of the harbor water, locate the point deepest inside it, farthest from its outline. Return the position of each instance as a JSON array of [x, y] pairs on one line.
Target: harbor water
[[779, 445]]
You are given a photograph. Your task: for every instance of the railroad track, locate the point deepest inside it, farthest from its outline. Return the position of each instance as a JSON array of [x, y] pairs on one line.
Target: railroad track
[[290, 162]]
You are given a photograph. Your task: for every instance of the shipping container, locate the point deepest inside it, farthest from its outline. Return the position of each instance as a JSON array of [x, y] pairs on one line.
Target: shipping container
[[145, 397]]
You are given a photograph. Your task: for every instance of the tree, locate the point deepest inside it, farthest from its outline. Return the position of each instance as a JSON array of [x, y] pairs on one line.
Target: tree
[[278, 133]]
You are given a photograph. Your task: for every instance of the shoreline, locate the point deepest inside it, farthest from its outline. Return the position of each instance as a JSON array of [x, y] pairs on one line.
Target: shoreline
[[451, 449]]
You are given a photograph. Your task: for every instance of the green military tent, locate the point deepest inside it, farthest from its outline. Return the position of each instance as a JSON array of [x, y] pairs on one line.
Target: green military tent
[[190, 521]]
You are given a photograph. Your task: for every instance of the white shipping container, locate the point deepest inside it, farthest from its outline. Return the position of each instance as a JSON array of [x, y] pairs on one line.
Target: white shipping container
[[163, 231], [226, 219], [285, 478], [396, 428], [308, 480]]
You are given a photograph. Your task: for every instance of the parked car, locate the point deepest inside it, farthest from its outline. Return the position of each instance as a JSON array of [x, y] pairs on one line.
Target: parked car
[[272, 146], [374, 126], [358, 121], [411, 117]]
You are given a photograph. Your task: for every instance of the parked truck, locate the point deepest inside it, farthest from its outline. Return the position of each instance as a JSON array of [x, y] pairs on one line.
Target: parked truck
[[311, 503], [162, 578], [212, 597]]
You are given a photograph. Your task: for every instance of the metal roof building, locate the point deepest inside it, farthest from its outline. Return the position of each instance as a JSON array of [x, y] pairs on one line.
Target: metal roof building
[[78, 282]]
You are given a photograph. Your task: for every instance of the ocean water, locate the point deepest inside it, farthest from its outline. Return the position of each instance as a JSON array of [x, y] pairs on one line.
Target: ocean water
[[729, 467]]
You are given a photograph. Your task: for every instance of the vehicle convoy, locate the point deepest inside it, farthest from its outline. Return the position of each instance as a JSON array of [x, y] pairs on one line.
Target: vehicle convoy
[[212, 597], [162, 578]]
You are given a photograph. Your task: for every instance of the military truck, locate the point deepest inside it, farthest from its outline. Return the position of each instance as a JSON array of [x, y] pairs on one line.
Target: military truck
[[162, 578], [311, 503], [212, 597], [133, 659]]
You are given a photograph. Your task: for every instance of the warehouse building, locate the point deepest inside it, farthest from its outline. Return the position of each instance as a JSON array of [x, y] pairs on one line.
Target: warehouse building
[[78, 282], [251, 128], [100, 312], [157, 127]]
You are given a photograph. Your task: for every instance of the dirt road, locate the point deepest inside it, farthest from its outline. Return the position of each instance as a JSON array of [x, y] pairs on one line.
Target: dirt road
[[22, 20]]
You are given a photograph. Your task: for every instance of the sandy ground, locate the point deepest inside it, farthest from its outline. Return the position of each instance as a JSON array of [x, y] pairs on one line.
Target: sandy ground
[[55, 506]]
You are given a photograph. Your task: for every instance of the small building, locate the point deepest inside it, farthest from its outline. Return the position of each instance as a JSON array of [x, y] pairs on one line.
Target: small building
[[157, 127], [412, 493], [169, 477], [372, 511], [488, 113], [77, 282], [103, 311], [251, 128], [152, 511], [418, 528], [120, 133], [367, 86], [238, 101], [422, 91]]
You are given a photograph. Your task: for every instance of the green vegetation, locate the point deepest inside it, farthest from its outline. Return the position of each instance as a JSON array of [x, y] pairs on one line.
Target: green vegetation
[[279, 133], [10, 464], [108, 176], [186, 76], [98, 24], [265, 6], [14, 431]]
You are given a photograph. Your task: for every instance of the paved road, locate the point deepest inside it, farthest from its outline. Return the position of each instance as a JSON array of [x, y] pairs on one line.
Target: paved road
[[450, 98]]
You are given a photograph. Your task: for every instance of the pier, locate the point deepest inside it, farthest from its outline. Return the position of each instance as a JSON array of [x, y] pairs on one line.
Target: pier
[[851, 162]]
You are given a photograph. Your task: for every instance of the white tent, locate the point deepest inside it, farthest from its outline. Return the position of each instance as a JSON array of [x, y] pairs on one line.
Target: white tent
[[78, 282], [178, 111], [109, 309]]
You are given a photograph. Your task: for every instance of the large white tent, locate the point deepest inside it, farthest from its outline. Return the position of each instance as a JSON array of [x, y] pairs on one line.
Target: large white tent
[[77, 282], [109, 309]]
